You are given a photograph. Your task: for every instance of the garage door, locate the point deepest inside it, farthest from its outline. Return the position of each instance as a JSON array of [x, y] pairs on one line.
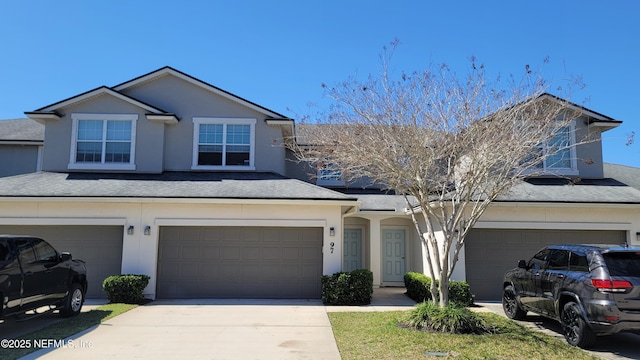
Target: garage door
[[239, 262], [489, 253], [99, 246]]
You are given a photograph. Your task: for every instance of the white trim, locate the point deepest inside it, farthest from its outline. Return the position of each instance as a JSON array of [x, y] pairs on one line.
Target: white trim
[[90, 94], [552, 225], [240, 222], [197, 121], [61, 221], [75, 117], [573, 158]]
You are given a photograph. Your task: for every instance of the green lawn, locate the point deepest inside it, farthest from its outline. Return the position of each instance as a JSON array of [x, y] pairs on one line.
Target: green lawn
[[67, 327], [376, 335]]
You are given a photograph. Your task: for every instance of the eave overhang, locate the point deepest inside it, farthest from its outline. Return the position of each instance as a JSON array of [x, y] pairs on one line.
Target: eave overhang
[[285, 124], [43, 116], [170, 119]]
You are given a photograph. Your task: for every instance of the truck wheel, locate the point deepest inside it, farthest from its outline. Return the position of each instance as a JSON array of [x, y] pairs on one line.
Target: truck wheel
[[510, 304], [576, 330], [73, 302]]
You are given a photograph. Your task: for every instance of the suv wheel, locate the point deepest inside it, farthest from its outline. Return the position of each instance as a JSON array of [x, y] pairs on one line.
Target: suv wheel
[[73, 302], [576, 330], [510, 304]]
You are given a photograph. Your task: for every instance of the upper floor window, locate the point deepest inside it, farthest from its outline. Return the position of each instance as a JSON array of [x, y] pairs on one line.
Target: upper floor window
[[103, 141], [329, 176], [223, 143], [559, 153]]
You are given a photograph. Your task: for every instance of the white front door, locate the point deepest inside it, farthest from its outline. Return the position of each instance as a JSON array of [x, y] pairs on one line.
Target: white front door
[[352, 250], [393, 255]]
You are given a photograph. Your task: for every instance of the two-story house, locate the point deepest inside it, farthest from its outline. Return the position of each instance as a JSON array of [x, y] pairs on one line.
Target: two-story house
[[170, 176]]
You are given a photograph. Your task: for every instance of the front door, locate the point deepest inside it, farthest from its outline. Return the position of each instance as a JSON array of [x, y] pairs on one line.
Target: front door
[[393, 255], [352, 250]]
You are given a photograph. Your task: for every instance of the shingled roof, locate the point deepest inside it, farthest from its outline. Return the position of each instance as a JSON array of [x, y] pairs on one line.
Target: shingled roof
[[207, 185], [21, 130]]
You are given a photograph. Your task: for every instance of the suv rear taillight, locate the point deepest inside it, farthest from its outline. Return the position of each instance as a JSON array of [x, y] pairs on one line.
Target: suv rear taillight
[[611, 285]]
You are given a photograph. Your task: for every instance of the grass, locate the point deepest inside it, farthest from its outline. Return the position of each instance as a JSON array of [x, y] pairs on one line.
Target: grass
[[67, 327], [376, 335]]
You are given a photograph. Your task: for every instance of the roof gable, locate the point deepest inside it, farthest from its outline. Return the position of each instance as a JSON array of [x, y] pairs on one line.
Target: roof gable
[[51, 111], [167, 70]]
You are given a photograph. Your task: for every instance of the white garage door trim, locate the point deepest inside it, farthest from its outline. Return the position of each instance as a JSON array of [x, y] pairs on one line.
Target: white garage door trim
[[62, 221], [241, 222], [551, 225]]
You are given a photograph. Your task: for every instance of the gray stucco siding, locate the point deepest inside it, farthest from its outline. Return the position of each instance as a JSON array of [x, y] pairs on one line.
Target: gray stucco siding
[[18, 159], [148, 144], [187, 101], [589, 153]]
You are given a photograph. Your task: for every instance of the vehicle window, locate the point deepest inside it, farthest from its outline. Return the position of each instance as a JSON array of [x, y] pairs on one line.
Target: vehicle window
[[578, 262], [45, 252], [623, 263], [4, 250], [539, 260], [27, 253], [558, 260]]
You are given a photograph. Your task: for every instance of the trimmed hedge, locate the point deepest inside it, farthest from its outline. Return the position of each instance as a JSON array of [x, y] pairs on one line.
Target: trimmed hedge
[[348, 288], [126, 288], [418, 285]]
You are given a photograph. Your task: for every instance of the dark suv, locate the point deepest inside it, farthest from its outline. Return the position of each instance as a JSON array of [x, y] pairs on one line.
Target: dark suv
[[33, 275], [590, 289]]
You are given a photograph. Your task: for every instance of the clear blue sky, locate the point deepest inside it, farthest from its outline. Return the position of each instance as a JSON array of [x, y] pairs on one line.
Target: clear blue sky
[[278, 53]]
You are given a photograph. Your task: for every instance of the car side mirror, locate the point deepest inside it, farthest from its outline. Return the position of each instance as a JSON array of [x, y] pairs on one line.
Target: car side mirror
[[65, 256], [522, 264]]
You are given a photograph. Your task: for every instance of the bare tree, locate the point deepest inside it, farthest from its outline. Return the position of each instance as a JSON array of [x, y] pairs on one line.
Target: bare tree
[[449, 144]]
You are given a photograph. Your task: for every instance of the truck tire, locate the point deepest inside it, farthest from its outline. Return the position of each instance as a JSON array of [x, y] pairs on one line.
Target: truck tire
[[73, 302]]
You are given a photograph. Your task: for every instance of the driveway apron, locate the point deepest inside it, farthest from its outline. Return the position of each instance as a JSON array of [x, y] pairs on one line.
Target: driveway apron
[[208, 329]]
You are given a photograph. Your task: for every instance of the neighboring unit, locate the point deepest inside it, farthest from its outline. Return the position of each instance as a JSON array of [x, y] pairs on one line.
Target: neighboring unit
[[21, 143], [33, 275], [169, 176], [590, 289]]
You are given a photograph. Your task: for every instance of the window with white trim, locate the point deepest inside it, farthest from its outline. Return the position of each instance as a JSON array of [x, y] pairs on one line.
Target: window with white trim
[[329, 175], [103, 141], [559, 153], [223, 143]]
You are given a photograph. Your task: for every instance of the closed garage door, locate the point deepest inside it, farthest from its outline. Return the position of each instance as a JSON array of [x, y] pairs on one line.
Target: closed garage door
[[239, 262], [99, 246], [489, 253]]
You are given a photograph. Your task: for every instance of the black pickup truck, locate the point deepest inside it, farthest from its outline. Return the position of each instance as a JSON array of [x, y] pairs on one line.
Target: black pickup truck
[[34, 275]]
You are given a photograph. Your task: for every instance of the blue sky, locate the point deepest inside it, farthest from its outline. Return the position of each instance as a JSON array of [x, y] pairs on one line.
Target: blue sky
[[278, 53]]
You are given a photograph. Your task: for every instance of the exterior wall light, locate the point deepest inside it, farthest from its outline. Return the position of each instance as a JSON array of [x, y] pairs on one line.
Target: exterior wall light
[[130, 230], [147, 230], [332, 231]]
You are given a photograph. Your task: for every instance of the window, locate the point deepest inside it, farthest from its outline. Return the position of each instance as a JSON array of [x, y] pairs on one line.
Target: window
[[103, 141], [329, 176], [223, 143], [558, 153], [559, 260], [539, 260], [578, 262]]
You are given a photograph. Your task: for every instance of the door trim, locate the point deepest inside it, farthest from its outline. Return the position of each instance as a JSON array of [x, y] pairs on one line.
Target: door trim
[[406, 257]]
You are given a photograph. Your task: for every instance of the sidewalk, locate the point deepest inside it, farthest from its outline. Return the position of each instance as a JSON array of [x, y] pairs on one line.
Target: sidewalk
[[384, 299]]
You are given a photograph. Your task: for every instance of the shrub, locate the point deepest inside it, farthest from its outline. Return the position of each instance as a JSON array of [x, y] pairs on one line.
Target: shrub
[[125, 288], [453, 318], [348, 288], [418, 284]]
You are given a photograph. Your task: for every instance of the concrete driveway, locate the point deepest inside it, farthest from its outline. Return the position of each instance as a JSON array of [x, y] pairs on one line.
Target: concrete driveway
[[617, 346], [208, 329]]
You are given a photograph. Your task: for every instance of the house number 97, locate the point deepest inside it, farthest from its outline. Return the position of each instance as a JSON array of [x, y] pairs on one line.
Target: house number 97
[[332, 244]]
